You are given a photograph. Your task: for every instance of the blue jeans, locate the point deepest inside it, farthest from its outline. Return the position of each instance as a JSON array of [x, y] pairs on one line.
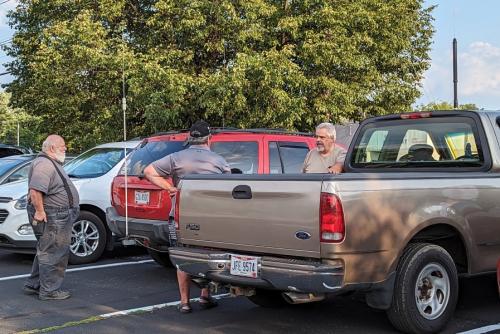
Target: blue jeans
[[52, 249]]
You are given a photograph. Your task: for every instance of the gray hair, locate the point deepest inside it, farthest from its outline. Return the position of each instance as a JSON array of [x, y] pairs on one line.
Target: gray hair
[[330, 129], [198, 140], [51, 140]]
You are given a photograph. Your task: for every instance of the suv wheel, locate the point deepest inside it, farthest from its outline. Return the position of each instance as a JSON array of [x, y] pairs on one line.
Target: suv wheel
[[88, 238], [425, 291], [161, 258]]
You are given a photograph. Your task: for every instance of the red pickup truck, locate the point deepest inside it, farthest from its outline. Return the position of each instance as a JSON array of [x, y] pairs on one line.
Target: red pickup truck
[[250, 151]]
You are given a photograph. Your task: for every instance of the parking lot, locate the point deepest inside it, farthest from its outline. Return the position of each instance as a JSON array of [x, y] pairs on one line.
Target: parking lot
[[126, 292]]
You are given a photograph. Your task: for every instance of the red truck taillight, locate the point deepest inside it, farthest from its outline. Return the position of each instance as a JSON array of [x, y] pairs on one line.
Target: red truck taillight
[[331, 215], [177, 205]]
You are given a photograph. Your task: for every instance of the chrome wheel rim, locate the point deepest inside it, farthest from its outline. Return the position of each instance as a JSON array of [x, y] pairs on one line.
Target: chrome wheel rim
[[84, 238], [432, 291]]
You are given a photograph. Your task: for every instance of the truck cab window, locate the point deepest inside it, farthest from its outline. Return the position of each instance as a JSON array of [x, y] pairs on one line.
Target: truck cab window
[[243, 155]]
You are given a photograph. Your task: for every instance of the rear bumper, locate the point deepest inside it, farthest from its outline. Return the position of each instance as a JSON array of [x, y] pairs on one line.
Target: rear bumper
[[274, 273], [155, 231], [18, 246]]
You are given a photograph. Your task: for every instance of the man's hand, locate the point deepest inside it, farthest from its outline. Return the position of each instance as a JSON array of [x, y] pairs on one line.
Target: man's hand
[[40, 216], [172, 191], [336, 169]]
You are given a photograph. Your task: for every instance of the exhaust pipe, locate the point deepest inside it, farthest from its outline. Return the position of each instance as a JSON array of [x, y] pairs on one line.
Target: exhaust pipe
[[302, 298]]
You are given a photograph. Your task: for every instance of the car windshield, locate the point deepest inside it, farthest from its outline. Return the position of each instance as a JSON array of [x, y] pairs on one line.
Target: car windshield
[[94, 163], [148, 152], [8, 164]]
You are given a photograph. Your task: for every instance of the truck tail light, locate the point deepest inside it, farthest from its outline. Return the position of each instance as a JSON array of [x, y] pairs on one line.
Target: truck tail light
[[415, 115], [332, 226], [177, 205]]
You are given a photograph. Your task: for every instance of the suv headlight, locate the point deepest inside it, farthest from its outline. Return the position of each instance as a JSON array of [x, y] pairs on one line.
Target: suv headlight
[[21, 203]]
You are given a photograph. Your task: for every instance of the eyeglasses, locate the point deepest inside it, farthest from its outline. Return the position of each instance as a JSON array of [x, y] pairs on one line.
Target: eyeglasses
[[322, 137]]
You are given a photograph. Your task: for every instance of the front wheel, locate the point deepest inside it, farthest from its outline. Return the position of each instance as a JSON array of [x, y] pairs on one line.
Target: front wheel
[[88, 238], [425, 291]]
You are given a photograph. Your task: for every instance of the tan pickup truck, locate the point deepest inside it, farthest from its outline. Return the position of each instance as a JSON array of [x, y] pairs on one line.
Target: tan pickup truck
[[418, 206]]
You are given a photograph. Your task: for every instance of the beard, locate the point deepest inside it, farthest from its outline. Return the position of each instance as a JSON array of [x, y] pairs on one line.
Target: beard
[[321, 148], [60, 156]]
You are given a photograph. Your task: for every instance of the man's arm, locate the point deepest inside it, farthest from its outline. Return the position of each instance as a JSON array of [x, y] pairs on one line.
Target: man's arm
[[36, 198], [337, 168], [152, 175]]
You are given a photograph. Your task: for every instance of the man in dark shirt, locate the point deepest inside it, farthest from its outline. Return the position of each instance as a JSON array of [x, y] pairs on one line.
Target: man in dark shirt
[[197, 159], [52, 209]]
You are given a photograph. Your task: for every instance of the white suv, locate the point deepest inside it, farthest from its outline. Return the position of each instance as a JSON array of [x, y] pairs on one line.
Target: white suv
[[92, 173]]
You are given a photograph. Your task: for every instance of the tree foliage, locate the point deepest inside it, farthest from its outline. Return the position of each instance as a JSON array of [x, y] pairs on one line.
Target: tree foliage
[[442, 105], [12, 120], [260, 63]]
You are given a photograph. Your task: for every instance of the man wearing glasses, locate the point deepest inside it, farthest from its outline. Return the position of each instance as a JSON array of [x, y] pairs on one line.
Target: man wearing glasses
[[326, 157]]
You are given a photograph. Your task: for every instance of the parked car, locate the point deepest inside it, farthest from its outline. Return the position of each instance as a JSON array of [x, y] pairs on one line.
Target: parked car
[[416, 208], [8, 150], [15, 167], [92, 173], [247, 152]]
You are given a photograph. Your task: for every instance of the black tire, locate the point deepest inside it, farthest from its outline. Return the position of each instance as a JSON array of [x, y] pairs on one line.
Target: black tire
[[425, 272], [88, 239], [161, 258], [268, 298]]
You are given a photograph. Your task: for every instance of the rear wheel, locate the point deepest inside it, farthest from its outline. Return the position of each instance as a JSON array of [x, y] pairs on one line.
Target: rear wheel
[[425, 291], [268, 298], [88, 238], [161, 258]]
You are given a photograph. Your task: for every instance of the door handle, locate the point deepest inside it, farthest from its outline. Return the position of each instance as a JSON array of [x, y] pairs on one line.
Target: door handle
[[242, 192]]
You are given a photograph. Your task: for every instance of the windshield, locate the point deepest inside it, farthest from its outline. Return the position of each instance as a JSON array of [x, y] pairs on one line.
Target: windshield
[[6, 165], [148, 152], [94, 163]]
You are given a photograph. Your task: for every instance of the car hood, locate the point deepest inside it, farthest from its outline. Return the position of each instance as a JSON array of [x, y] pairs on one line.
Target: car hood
[[18, 189]]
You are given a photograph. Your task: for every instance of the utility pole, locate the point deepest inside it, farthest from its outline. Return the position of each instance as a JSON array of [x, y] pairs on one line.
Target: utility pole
[[455, 75]]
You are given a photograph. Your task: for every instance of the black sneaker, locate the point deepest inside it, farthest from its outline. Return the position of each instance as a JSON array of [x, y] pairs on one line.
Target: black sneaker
[[29, 290], [54, 295]]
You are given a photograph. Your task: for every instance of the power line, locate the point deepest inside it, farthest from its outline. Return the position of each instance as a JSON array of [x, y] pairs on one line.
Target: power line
[[7, 41], [1, 3], [5, 73]]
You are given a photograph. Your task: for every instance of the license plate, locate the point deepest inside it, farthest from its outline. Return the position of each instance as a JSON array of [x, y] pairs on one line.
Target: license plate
[[244, 266], [142, 197]]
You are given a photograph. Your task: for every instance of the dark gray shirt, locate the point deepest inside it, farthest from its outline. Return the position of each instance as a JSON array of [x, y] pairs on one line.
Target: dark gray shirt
[[44, 178], [197, 159]]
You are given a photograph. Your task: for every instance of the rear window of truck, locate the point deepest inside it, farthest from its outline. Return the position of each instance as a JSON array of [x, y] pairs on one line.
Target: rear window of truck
[[148, 152], [440, 142]]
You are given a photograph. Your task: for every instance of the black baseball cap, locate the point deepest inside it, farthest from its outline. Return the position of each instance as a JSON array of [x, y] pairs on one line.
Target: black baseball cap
[[199, 129]]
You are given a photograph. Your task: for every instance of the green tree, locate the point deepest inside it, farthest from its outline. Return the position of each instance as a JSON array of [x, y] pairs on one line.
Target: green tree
[[11, 118], [260, 63], [442, 105]]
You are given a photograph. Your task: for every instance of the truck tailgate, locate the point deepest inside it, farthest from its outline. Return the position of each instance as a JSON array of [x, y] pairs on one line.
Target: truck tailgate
[[211, 216]]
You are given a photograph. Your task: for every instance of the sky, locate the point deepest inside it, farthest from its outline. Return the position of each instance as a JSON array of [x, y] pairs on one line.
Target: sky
[[475, 24]]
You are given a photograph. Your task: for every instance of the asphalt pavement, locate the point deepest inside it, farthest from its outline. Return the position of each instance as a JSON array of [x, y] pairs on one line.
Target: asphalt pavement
[[126, 292]]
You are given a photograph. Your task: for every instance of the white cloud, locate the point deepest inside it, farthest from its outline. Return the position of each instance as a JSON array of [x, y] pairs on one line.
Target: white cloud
[[478, 76], [480, 69]]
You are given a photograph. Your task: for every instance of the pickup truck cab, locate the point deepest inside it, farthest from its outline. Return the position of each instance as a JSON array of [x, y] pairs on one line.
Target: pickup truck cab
[[417, 206], [140, 209]]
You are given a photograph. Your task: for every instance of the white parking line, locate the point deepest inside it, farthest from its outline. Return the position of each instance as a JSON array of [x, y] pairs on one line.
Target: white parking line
[[105, 316], [8, 278], [481, 330], [153, 307]]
